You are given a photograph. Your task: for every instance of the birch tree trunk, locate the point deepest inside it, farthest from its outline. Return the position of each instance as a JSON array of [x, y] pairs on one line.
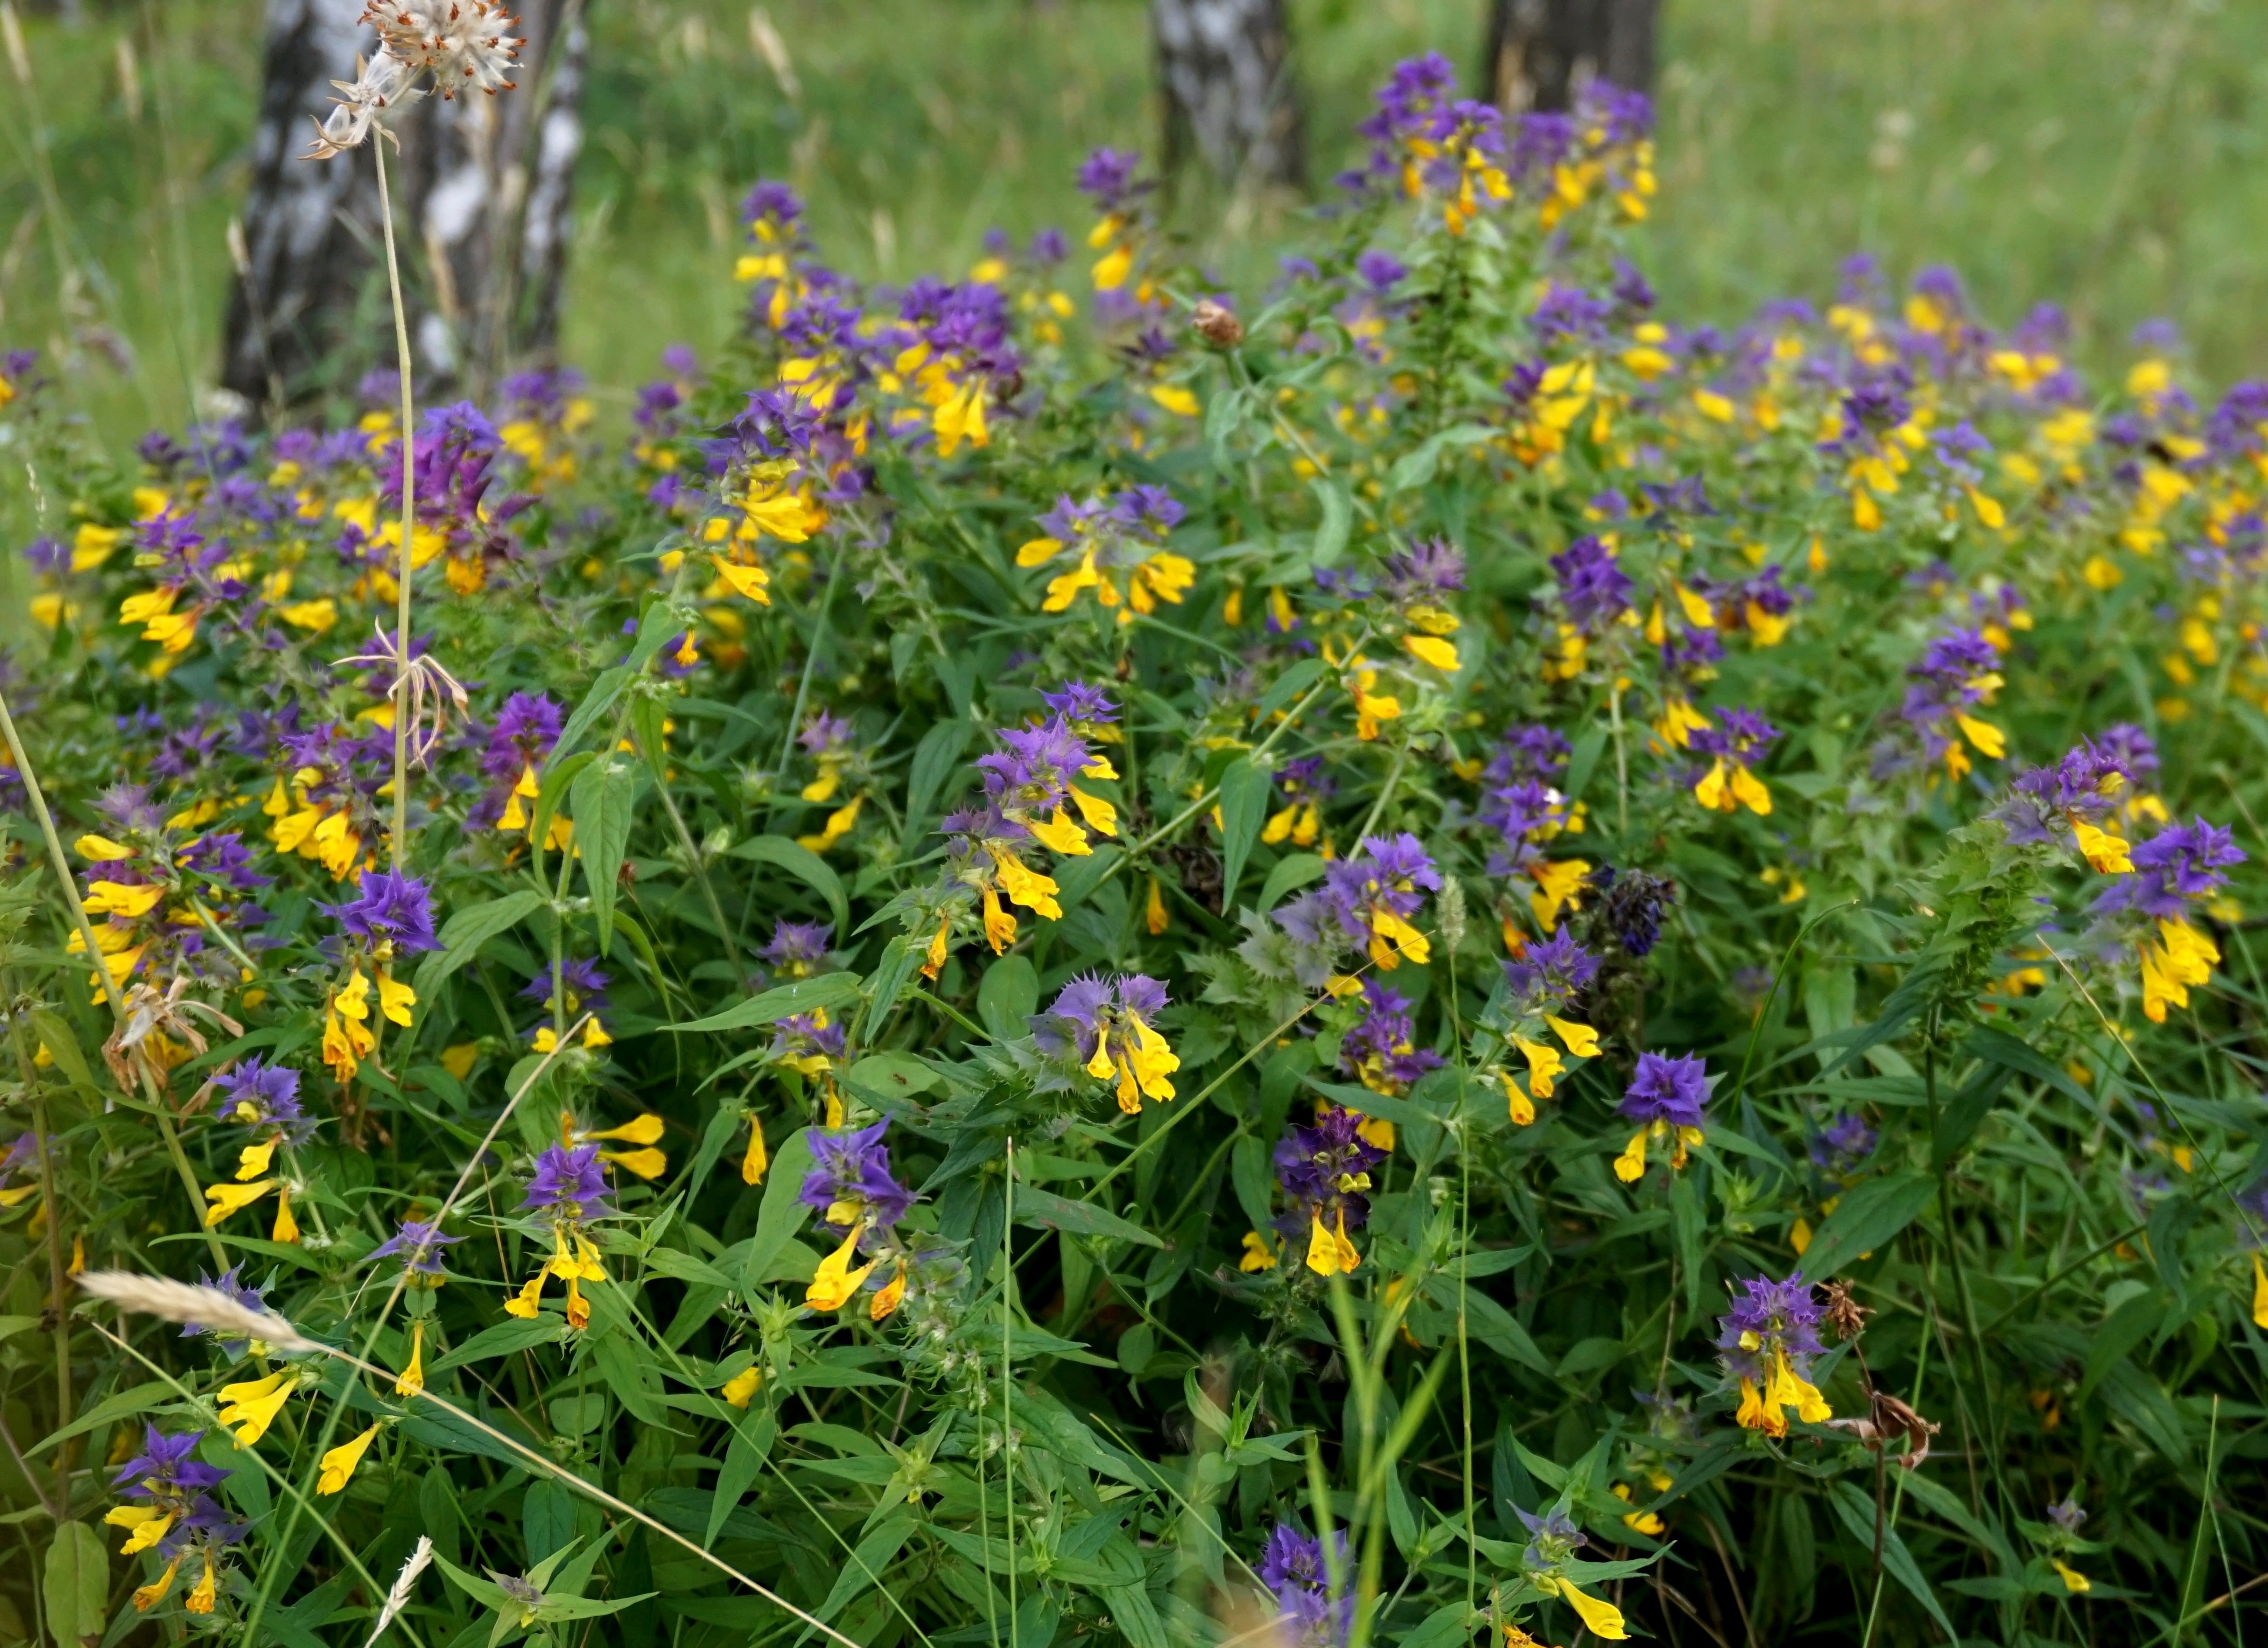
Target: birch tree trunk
[[488, 191], [1226, 70], [484, 200], [1540, 52], [304, 247]]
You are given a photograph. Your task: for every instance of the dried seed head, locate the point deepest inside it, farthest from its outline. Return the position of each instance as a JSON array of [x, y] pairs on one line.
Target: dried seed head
[[463, 44], [184, 1302], [1216, 325], [1844, 1315]]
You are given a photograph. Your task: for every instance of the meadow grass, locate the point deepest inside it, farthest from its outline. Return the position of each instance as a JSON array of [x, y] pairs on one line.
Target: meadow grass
[[2104, 154]]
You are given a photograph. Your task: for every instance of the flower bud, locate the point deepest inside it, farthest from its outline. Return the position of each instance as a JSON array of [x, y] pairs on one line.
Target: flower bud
[[1216, 325]]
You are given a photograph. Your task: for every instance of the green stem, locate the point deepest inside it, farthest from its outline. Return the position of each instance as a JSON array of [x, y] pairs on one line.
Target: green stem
[[407, 447]]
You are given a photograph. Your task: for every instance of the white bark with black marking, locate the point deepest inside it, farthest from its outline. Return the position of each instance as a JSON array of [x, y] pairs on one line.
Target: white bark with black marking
[[1226, 70]]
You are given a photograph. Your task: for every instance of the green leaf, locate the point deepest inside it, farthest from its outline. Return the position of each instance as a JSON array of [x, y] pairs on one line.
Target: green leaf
[[935, 757], [1291, 873], [1050, 1211], [62, 1047], [866, 1562], [744, 1459], [829, 990], [1856, 1511], [512, 1334], [1007, 995], [76, 1585], [1415, 468], [2133, 1321], [604, 690], [901, 958], [1244, 790], [554, 786], [1865, 1219], [806, 866], [605, 798], [782, 1214], [1332, 532], [891, 1076], [133, 1403], [465, 933]]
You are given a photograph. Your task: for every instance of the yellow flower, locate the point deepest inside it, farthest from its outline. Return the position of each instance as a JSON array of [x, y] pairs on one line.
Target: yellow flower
[[1727, 786], [286, 1229], [2104, 852], [201, 1599], [152, 1594], [1603, 1619], [839, 824], [2186, 958], [340, 1462], [2259, 1293], [1329, 1253], [1060, 834], [252, 1160], [1025, 886], [1581, 1039], [150, 1525], [741, 1389], [119, 898], [228, 1199], [413, 1377], [750, 581], [1629, 1166], [1442, 655], [1558, 884], [250, 1406], [1523, 1110], [888, 1296], [835, 1283], [100, 850], [2073, 1581], [1258, 1255], [753, 1164], [395, 1000], [1544, 1065]]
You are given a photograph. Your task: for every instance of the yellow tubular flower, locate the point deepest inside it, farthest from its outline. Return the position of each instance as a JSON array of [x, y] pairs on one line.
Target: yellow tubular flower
[[227, 1199], [835, 1283], [2259, 1293], [753, 1164], [340, 1462], [1258, 1255], [1523, 1111], [1603, 1619], [252, 1160], [152, 1594], [1544, 1066], [1581, 1039], [395, 1000], [413, 1377], [149, 1523], [1060, 834], [286, 1229], [250, 1406], [741, 1389], [529, 1300], [1629, 1166], [888, 1296], [2104, 852], [2073, 1581], [208, 1589], [100, 850]]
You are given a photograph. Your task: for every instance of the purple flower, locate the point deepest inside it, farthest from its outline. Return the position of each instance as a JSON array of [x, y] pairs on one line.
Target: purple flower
[[1081, 705], [568, 1184], [2084, 784], [2067, 1514], [260, 1094], [1378, 1050], [2174, 867], [585, 986], [392, 908], [526, 729], [1741, 735], [1666, 1089], [1107, 178], [1294, 1569], [1380, 271], [1772, 1316], [852, 1182], [1325, 1168], [1552, 1537], [165, 1466], [1594, 590], [1841, 1148], [1425, 571], [418, 1246], [797, 947], [1551, 972]]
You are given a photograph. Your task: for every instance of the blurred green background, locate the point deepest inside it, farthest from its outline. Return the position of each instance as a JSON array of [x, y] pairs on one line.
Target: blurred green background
[[2109, 156]]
